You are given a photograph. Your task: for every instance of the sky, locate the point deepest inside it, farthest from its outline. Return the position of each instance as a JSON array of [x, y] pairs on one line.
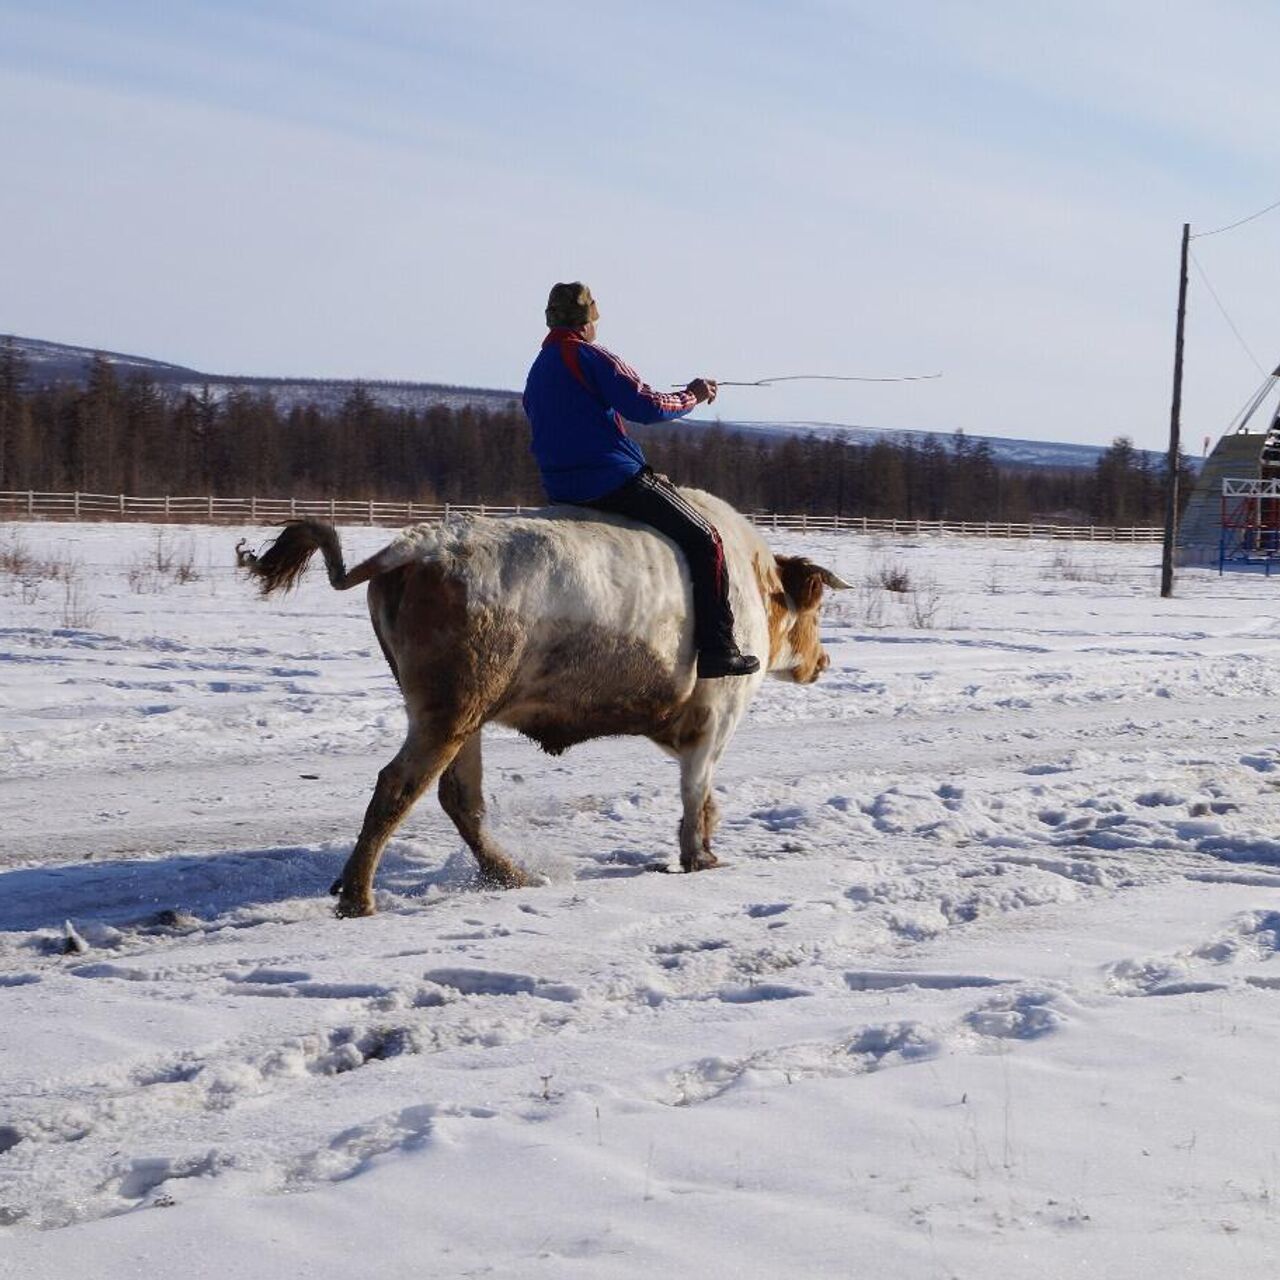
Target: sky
[[990, 189]]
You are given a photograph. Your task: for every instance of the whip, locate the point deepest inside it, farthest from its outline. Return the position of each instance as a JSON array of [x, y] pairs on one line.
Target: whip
[[822, 377]]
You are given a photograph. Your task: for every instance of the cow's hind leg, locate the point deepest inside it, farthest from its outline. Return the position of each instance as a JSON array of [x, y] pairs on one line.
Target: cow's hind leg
[[400, 783], [462, 798]]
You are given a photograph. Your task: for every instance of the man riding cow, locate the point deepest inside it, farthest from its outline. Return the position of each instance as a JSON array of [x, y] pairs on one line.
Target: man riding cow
[[564, 627], [576, 398]]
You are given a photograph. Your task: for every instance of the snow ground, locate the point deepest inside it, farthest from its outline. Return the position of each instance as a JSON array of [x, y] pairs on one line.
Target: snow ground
[[989, 987]]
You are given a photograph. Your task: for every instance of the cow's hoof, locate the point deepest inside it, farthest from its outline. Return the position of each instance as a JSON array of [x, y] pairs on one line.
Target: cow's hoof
[[350, 907], [703, 862], [508, 877], [336, 887]]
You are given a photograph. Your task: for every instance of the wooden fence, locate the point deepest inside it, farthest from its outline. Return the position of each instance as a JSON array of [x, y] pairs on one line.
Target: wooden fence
[[30, 505]]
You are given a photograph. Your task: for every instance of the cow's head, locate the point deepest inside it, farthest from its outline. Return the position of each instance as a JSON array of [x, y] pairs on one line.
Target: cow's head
[[793, 594]]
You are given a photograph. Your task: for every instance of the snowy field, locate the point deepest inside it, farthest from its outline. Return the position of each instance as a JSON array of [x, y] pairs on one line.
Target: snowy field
[[989, 987]]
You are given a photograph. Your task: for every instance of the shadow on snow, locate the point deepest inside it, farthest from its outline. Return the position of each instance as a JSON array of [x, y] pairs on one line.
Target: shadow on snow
[[206, 886]]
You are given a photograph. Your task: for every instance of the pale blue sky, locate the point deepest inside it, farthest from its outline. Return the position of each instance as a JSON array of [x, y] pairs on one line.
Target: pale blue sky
[[992, 189]]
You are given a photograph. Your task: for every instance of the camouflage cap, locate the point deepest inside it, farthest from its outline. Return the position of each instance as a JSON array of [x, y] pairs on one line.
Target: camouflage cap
[[571, 306]]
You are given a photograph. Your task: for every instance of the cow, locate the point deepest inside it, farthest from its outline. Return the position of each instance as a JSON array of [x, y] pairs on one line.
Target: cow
[[567, 625]]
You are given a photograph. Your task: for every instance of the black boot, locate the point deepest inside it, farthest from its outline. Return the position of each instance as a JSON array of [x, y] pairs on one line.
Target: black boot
[[715, 663]]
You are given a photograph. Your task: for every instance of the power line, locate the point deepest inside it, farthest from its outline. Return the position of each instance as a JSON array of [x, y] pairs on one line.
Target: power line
[[1213, 293], [1231, 226]]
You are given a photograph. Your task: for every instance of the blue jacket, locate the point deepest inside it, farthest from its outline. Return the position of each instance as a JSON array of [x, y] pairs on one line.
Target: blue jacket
[[576, 398]]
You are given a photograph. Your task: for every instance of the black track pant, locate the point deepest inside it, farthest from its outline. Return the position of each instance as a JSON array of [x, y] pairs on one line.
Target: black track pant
[[653, 500]]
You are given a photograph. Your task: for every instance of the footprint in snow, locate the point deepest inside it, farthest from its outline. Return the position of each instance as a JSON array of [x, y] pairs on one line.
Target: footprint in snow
[[1260, 763], [781, 818], [761, 991], [272, 976], [671, 955], [889, 980], [1157, 977], [1027, 1015], [492, 982], [1252, 937], [866, 1050], [312, 990]]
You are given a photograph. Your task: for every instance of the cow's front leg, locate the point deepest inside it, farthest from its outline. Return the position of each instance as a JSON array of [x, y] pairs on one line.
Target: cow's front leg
[[698, 823], [400, 783]]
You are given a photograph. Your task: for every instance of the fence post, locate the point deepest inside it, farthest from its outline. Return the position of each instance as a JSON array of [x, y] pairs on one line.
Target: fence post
[[293, 508], [211, 508], [253, 509], [332, 510], [31, 502]]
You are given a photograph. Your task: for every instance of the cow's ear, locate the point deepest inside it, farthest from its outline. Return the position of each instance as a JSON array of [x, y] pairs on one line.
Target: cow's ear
[[802, 580]]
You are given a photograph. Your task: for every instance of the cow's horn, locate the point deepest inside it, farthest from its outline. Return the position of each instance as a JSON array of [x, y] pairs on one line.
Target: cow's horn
[[834, 582]]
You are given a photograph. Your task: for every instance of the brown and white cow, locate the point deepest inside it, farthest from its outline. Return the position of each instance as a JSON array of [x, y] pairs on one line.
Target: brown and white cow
[[567, 625]]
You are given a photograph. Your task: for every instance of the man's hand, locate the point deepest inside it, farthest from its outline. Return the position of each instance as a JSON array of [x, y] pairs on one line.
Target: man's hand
[[703, 390]]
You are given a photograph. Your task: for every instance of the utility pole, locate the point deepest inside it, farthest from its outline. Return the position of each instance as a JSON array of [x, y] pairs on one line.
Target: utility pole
[[1175, 427]]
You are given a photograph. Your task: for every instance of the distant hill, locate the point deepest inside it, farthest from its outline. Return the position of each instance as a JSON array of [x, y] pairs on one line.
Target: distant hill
[[1007, 452], [57, 362]]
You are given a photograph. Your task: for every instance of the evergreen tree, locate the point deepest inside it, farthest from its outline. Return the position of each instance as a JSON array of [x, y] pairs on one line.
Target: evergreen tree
[[1125, 491], [13, 373]]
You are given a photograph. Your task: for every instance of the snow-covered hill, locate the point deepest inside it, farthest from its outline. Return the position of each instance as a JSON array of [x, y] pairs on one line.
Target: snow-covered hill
[[1006, 452], [50, 362], [989, 985]]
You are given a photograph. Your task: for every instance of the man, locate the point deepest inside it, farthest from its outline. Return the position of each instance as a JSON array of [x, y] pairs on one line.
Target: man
[[576, 399]]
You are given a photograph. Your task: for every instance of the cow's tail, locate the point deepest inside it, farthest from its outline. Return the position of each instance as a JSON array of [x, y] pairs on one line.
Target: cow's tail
[[282, 562]]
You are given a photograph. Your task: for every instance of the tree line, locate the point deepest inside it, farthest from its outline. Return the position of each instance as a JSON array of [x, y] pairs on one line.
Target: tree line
[[114, 435]]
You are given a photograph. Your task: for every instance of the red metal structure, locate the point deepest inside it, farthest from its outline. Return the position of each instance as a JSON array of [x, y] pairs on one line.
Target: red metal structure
[[1250, 522]]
